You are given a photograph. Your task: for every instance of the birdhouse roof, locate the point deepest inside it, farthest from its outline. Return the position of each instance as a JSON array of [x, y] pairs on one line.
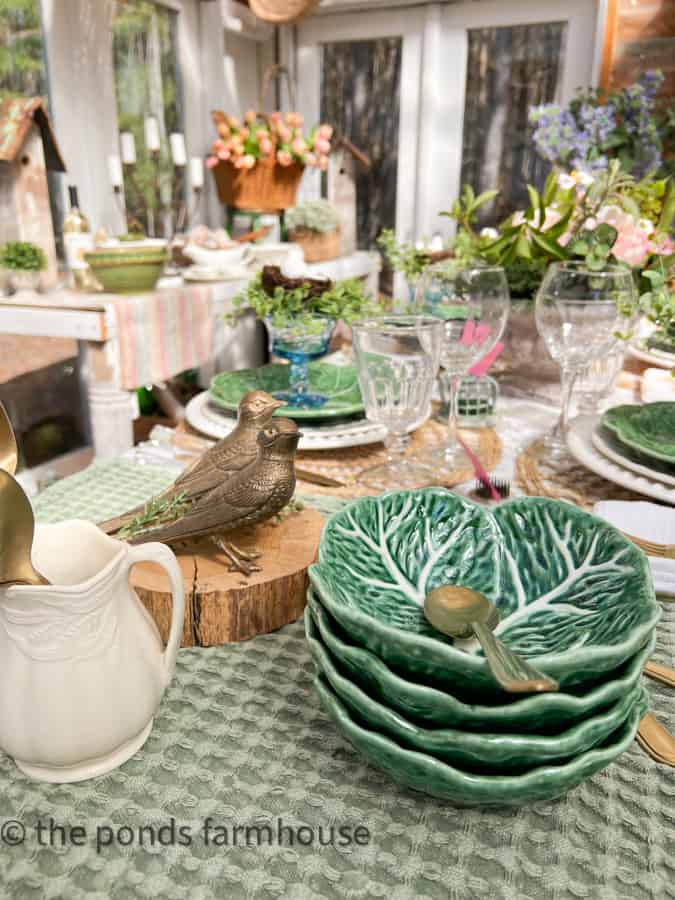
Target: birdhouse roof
[[17, 116]]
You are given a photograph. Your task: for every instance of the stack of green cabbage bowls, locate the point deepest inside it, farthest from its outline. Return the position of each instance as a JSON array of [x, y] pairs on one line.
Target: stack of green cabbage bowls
[[575, 598]]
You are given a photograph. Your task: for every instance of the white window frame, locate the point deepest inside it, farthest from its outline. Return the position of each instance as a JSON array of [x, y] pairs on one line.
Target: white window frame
[[433, 82]]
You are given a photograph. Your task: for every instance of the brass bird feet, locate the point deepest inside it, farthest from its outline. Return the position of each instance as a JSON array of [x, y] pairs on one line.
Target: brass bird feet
[[240, 560]]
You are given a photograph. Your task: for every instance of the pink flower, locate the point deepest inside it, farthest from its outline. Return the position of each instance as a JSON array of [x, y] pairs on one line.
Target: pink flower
[[211, 162], [322, 146], [294, 119], [284, 133], [239, 163], [266, 146], [323, 163], [284, 158], [250, 116], [233, 122], [298, 146], [224, 153], [218, 146], [223, 130], [325, 132], [662, 245], [262, 133], [244, 133], [311, 159], [248, 161], [275, 117], [632, 245]]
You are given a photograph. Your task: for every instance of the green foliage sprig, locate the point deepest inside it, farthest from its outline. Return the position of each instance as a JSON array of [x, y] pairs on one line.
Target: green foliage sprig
[[658, 301], [403, 257], [22, 256], [155, 512], [345, 300]]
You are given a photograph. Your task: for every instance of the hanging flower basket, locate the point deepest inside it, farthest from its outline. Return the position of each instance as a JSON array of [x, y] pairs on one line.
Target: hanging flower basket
[[258, 163]]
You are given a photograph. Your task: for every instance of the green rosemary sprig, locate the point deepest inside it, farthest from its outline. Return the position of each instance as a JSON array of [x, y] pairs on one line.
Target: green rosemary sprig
[[156, 512]]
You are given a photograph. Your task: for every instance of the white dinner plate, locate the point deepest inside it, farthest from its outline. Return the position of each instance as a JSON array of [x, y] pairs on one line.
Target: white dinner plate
[[580, 444], [607, 450], [217, 424]]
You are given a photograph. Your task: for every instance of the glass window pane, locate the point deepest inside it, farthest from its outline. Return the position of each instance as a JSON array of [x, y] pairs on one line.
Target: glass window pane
[[508, 70], [360, 98], [22, 66], [147, 82]]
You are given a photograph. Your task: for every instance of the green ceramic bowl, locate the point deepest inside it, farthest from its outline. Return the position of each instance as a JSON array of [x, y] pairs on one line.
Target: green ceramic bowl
[[489, 752], [432, 776], [129, 268], [426, 706], [340, 384], [575, 596], [648, 428]]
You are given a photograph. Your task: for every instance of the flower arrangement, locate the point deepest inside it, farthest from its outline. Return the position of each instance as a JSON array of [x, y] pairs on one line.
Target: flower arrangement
[[576, 216], [22, 256], [314, 215], [632, 126], [275, 136]]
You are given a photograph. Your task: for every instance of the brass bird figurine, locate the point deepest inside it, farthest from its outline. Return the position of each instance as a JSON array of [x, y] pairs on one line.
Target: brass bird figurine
[[220, 462], [252, 495]]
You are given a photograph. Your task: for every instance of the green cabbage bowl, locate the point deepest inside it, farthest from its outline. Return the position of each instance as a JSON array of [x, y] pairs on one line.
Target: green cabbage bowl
[[462, 786], [545, 714], [489, 752], [575, 596]]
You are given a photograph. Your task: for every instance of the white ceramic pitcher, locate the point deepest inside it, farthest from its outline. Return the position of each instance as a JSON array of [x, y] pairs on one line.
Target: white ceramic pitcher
[[82, 664]]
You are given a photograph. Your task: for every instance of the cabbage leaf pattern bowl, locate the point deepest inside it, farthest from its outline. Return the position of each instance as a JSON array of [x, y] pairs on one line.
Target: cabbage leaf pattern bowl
[[648, 428], [575, 596], [463, 787], [427, 706], [491, 752]]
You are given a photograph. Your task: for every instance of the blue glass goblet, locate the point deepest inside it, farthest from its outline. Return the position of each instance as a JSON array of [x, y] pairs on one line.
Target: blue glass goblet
[[301, 342]]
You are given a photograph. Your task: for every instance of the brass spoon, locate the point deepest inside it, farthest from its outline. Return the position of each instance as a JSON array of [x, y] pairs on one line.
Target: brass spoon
[[462, 612], [9, 454], [17, 526], [656, 740]]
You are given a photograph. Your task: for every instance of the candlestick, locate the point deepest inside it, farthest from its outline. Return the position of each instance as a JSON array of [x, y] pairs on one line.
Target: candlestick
[[197, 172], [115, 171], [151, 134], [178, 152], [128, 148]]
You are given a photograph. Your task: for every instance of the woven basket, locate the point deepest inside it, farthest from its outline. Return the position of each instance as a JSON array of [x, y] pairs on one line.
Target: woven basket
[[282, 12], [316, 245], [268, 187]]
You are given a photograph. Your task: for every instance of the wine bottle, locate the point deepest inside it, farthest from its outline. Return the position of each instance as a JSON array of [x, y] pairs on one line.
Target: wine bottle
[[77, 240]]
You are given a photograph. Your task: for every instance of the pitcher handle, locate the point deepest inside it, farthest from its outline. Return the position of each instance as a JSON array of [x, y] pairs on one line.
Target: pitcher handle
[[162, 555]]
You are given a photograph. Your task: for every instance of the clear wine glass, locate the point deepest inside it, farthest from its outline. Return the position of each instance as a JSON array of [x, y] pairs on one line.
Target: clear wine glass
[[397, 359], [582, 316], [473, 304]]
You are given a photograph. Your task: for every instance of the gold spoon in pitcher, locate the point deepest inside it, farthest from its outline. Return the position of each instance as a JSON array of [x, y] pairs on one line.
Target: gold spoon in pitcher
[[462, 612], [17, 524]]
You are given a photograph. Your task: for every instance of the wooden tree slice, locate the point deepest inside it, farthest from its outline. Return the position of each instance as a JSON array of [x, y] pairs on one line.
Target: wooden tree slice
[[223, 606]]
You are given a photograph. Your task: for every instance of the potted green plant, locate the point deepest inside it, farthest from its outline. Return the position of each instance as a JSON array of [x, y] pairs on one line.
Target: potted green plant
[[23, 263], [315, 226], [300, 314]]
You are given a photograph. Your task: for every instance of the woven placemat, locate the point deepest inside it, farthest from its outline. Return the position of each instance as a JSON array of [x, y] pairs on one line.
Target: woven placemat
[[538, 475], [346, 464]]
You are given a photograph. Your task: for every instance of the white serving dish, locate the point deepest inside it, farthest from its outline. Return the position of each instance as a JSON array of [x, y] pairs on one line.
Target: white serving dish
[[217, 260]]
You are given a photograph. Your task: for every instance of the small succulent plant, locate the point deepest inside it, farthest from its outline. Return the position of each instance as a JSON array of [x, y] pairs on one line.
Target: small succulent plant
[[22, 256], [314, 215]]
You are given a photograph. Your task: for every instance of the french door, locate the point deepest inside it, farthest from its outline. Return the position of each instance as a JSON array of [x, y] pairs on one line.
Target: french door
[[461, 77]]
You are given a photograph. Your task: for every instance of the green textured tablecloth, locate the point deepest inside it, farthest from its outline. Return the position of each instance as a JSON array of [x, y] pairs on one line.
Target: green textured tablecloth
[[240, 737]]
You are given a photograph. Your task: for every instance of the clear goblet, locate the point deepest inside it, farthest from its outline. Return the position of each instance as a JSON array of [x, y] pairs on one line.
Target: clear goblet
[[397, 359], [582, 315], [473, 304]]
